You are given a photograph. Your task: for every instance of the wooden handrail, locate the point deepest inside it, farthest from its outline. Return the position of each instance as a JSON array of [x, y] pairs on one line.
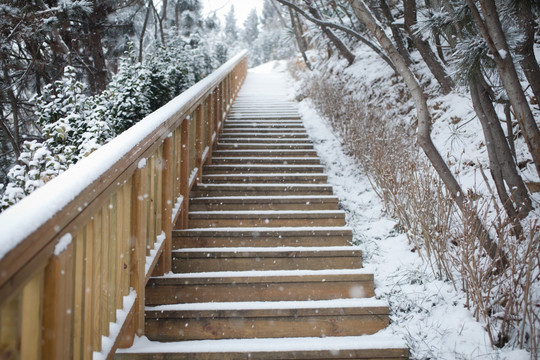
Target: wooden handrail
[[83, 246]]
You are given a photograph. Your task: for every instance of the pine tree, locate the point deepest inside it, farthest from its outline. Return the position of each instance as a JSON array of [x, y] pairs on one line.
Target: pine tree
[[231, 31], [251, 30]]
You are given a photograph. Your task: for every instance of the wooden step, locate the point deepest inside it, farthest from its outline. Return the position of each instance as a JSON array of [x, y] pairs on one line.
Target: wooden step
[[264, 140], [265, 178], [259, 286], [263, 125], [266, 218], [264, 130], [290, 116], [366, 347], [255, 237], [279, 258], [266, 160], [261, 168], [278, 135], [220, 203], [267, 319], [204, 190], [264, 153], [269, 218], [254, 146]]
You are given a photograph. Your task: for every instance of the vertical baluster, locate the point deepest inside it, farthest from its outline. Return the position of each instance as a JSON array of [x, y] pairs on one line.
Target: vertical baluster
[[164, 264], [31, 318], [184, 173], [88, 319], [138, 244], [58, 305], [78, 294], [10, 328], [97, 282], [113, 255], [105, 254]]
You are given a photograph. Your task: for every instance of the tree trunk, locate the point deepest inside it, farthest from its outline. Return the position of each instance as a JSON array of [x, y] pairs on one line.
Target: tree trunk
[[143, 30], [396, 33], [526, 48], [424, 133], [499, 153], [300, 41], [336, 41], [424, 49], [493, 34]]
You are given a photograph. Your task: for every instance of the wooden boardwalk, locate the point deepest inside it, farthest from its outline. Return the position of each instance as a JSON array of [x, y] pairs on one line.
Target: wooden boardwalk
[[266, 269]]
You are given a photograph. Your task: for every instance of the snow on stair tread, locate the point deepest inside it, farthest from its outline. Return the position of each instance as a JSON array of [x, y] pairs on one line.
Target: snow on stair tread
[[270, 229], [264, 273], [205, 185], [274, 305], [272, 249], [380, 340], [277, 197], [267, 212]]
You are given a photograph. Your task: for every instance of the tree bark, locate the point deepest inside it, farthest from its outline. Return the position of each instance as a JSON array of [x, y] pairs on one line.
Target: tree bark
[[491, 30], [143, 30], [502, 165], [388, 20], [334, 39], [424, 49], [526, 48], [424, 133], [300, 41]]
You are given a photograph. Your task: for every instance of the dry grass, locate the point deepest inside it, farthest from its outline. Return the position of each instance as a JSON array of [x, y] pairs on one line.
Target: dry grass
[[437, 231]]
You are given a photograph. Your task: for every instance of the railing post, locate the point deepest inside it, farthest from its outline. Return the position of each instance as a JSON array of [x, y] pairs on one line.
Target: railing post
[[164, 263], [138, 245], [57, 306], [184, 173], [199, 142]]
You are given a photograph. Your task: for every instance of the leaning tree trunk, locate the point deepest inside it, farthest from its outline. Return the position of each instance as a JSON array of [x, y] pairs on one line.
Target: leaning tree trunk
[[424, 132], [526, 48], [336, 41], [300, 41], [491, 30], [424, 49], [492, 132]]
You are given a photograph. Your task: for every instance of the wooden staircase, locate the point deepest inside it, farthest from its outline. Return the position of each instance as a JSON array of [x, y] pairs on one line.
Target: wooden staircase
[[266, 269]]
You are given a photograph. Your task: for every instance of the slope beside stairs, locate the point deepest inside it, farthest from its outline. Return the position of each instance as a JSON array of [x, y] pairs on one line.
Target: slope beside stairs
[[266, 269]]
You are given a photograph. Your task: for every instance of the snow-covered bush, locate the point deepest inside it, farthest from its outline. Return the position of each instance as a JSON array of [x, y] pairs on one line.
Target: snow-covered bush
[[74, 124]]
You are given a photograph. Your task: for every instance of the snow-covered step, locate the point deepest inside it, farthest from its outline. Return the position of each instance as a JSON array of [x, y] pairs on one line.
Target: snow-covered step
[[280, 258], [254, 134], [245, 116], [285, 160], [261, 168], [263, 124], [265, 152], [266, 178], [265, 141], [287, 202], [268, 218], [264, 130], [264, 146], [376, 346], [260, 189], [265, 319], [282, 285], [262, 237]]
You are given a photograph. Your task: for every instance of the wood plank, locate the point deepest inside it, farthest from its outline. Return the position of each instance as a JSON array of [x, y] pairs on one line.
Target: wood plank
[[138, 245], [79, 294], [31, 313], [10, 328], [88, 291], [164, 264], [97, 283], [105, 268]]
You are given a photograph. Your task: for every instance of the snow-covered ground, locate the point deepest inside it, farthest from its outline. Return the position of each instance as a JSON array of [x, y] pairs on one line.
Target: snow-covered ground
[[429, 314]]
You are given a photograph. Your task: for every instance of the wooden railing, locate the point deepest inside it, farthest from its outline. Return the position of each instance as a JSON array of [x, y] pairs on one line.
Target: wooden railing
[[75, 255]]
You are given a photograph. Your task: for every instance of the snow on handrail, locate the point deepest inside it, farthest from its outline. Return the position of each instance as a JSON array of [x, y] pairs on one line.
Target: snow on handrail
[[24, 218]]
